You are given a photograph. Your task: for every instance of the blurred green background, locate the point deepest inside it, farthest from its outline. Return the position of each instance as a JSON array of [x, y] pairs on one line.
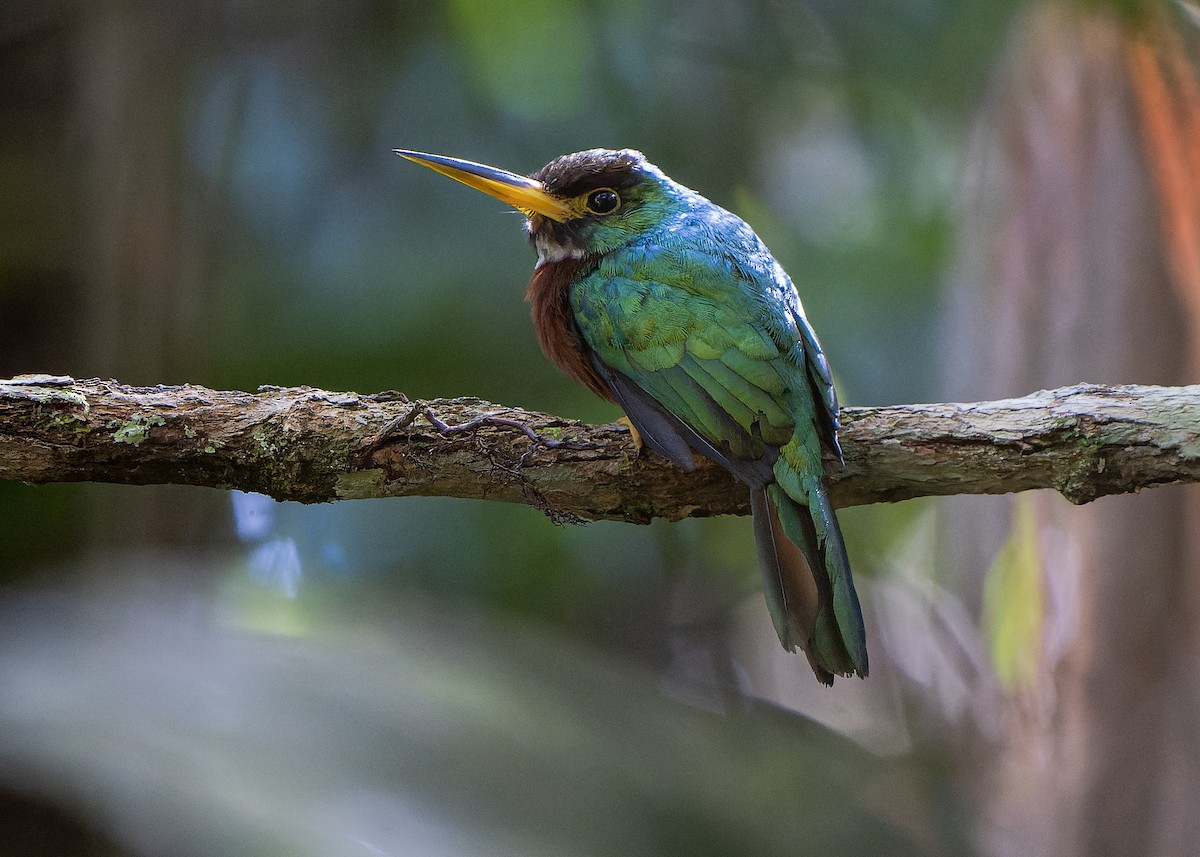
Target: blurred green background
[[204, 193]]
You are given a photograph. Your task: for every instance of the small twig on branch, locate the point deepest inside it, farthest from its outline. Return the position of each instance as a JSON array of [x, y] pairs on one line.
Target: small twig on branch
[[313, 446]]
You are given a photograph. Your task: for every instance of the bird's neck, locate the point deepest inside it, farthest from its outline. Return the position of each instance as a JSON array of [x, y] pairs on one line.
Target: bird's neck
[[549, 296]]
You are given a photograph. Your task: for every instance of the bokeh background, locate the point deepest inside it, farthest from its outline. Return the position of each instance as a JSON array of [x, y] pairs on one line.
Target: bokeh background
[[976, 199]]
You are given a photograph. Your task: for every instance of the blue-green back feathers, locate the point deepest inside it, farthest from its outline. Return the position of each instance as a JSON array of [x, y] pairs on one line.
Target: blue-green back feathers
[[701, 326]]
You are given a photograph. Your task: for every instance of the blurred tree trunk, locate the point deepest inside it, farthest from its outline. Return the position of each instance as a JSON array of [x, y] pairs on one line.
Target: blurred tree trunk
[[39, 171], [142, 267], [1082, 237]]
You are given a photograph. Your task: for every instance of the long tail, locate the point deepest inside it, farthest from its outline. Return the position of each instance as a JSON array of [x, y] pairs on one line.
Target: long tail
[[807, 579]]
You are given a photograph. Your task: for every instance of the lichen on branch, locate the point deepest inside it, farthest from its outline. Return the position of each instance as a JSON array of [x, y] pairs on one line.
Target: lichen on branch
[[313, 445]]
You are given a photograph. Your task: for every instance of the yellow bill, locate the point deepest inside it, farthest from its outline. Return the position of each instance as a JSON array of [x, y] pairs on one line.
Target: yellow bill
[[521, 192]]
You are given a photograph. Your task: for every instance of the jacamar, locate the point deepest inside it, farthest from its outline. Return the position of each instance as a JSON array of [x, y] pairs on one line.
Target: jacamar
[[671, 306]]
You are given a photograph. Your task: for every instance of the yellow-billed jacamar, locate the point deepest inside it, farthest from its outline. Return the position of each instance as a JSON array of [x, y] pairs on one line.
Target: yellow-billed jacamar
[[669, 305]]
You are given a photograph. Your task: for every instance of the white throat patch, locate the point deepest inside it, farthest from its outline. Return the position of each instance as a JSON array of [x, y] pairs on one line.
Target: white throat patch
[[548, 251]]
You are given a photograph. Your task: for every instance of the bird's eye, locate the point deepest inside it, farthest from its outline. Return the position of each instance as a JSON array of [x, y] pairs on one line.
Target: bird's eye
[[603, 201]]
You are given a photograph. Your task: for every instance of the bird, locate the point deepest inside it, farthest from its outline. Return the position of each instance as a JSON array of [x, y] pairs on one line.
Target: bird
[[670, 306]]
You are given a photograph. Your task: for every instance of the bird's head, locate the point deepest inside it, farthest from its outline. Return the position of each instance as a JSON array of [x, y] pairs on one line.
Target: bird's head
[[582, 204]]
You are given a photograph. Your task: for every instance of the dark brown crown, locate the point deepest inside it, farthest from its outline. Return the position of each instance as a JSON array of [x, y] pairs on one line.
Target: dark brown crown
[[571, 175]]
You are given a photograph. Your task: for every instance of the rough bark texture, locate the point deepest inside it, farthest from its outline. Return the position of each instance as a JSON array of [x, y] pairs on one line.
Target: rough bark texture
[[316, 446]]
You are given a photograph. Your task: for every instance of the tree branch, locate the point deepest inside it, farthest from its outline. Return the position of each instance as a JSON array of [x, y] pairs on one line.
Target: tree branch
[[315, 446]]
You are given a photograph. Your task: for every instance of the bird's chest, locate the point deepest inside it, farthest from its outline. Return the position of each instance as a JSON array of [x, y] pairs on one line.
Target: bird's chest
[[549, 296], [642, 300]]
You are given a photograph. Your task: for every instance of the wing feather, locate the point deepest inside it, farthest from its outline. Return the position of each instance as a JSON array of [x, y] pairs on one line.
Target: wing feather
[[711, 353]]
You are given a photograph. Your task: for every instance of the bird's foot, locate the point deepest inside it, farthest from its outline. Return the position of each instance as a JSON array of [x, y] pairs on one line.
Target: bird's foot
[[634, 434]]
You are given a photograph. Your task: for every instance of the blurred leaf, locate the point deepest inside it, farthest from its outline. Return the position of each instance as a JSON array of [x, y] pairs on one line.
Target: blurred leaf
[[1012, 600]]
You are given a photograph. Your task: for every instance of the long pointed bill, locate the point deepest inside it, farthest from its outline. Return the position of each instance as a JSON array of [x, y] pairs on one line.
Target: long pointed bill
[[523, 193]]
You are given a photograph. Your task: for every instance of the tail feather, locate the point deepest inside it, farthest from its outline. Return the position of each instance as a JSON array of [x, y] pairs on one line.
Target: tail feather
[[788, 585], [807, 580], [846, 608]]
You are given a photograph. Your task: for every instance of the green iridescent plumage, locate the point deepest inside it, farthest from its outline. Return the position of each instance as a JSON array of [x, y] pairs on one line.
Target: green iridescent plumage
[[675, 308]]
